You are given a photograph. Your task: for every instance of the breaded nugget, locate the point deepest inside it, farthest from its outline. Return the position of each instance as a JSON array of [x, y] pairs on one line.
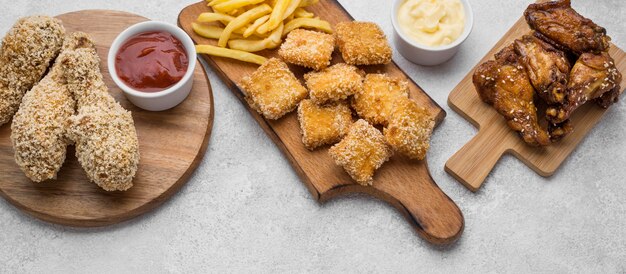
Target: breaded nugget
[[323, 125], [104, 132], [334, 83], [308, 48], [375, 102], [409, 130], [362, 43], [361, 152], [273, 90], [26, 53], [38, 128]]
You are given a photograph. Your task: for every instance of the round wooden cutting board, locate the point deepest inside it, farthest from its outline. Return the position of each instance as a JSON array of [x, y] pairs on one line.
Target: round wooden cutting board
[[172, 144]]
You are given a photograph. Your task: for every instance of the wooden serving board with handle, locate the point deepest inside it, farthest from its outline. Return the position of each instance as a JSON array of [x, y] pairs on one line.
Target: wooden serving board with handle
[[407, 185], [474, 161], [172, 144]]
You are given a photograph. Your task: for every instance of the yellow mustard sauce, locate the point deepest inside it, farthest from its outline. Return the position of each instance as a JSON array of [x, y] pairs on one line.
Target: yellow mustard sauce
[[432, 23]]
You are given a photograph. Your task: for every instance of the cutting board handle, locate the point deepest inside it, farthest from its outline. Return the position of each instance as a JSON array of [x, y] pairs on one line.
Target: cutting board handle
[[429, 210], [475, 160]]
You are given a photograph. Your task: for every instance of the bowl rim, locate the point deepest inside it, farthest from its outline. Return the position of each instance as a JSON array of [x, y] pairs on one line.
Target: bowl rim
[[147, 26], [469, 25]]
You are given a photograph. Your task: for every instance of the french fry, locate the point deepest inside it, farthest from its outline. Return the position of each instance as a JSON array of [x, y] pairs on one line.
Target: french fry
[[306, 3], [231, 53], [276, 34], [302, 13], [241, 21], [293, 5], [307, 23], [208, 17], [276, 18], [235, 4], [252, 28], [248, 45], [211, 32], [215, 2]]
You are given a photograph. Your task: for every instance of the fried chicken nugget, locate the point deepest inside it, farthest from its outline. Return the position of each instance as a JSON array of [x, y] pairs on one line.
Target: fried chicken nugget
[[308, 48], [334, 83], [272, 90], [38, 128], [409, 130], [104, 132], [375, 102], [362, 43], [323, 125], [361, 152], [26, 53]]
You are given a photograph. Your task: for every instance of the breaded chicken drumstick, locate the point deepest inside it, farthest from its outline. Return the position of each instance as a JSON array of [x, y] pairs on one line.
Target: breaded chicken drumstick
[[38, 128], [104, 132], [26, 53]]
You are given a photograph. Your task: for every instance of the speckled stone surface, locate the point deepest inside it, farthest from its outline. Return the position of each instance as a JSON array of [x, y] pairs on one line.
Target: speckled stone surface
[[245, 208]]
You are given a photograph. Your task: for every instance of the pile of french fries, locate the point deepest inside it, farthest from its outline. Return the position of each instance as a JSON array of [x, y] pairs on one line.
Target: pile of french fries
[[245, 26]]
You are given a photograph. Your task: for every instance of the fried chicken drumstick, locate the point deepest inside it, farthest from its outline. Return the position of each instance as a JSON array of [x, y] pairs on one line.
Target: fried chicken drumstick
[[104, 132], [594, 76], [38, 128], [26, 53], [558, 23]]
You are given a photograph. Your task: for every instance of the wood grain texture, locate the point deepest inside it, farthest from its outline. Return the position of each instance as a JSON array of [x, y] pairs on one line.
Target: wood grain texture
[[405, 184], [171, 144], [475, 160]]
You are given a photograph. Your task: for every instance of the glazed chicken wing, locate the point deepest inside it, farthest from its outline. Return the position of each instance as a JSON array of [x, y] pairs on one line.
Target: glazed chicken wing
[[593, 76], [546, 67], [503, 83], [564, 27]]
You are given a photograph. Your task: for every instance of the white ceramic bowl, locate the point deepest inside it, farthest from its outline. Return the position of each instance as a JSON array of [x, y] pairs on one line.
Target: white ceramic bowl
[[161, 100], [422, 54]]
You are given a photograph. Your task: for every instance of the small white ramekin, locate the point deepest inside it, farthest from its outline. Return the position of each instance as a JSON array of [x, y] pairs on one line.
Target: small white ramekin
[[422, 54], [160, 100]]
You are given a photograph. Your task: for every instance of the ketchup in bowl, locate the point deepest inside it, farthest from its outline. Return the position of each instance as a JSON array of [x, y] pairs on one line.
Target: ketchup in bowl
[[151, 61]]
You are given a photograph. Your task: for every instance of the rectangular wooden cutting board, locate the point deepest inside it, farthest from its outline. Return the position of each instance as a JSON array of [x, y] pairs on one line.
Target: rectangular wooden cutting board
[[473, 163], [405, 184]]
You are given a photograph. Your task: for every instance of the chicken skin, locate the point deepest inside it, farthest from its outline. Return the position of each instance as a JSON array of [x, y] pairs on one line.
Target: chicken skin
[[38, 128], [592, 76], [504, 84], [558, 23], [546, 67], [26, 53], [106, 140]]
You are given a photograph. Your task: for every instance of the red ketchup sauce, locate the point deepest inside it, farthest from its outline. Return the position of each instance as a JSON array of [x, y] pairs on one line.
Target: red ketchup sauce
[[151, 61]]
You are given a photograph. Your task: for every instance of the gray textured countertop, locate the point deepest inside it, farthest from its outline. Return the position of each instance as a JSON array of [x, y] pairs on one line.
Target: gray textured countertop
[[246, 209]]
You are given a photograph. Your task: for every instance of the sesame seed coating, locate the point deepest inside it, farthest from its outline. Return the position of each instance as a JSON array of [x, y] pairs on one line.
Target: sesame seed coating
[[361, 152], [308, 48], [375, 102], [362, 43], [323, 125], [273, 90], [409, 130], [334, 83]]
